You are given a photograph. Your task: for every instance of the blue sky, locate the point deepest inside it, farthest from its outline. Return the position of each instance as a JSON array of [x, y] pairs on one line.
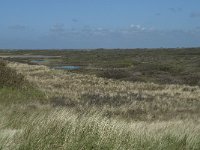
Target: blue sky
[[60, 24]]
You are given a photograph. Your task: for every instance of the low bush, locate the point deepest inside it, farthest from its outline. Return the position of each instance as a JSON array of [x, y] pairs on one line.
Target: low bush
[[154, 68], [191, 79], [114, 74], [9, 77]]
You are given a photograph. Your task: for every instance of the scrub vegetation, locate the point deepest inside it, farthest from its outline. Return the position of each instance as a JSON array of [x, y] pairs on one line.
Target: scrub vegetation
[[45, 108], [161, 66]]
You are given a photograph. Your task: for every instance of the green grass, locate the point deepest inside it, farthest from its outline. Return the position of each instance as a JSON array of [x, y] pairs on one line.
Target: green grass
[[12, 96]]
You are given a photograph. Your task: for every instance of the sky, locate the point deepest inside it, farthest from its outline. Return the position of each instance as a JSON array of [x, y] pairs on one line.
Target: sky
[[72, 24]]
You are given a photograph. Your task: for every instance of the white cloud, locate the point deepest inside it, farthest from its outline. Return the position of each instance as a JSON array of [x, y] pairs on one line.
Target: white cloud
[[137, 27]]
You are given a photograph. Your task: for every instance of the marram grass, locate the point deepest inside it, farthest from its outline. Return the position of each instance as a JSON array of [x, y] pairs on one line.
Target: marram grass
[[138, 101], [64, 129]]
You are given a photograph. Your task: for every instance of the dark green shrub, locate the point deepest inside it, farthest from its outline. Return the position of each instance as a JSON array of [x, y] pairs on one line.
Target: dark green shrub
[[9, 77], [114, 74], [191, 79], [97, 100], [62, 102], [154, 68]]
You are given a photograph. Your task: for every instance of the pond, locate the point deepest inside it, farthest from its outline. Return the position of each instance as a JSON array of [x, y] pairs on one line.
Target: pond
[[68, 67], [38, 61]]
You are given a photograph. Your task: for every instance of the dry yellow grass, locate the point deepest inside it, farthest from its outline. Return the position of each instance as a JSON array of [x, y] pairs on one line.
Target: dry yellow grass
[[119, 98], [100, 114]]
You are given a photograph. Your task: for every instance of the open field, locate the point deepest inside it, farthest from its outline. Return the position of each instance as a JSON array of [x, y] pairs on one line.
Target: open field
[[45, 108]]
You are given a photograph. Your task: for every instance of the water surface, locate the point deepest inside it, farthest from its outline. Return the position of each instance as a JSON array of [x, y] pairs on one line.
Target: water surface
[[68, 67], [38, 61]]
